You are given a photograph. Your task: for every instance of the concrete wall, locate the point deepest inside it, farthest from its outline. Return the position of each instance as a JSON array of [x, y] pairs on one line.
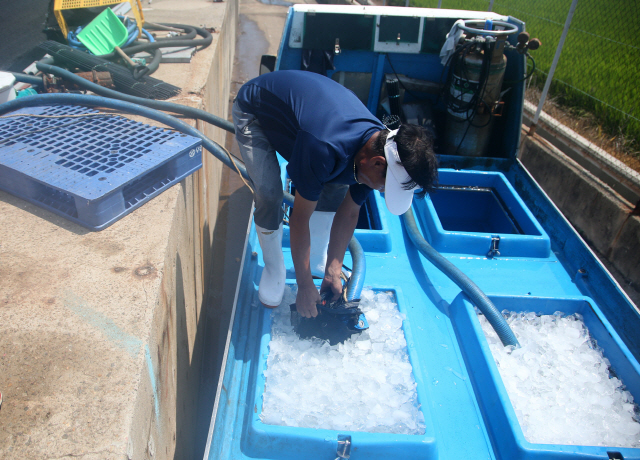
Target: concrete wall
[[101, 333], [601, 215], [177, 340]]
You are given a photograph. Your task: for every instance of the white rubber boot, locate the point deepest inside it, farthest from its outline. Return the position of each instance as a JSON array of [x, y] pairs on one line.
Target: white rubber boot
[[320, 230], [273, 277]]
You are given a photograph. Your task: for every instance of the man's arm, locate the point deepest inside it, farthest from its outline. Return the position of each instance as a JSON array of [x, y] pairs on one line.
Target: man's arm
[[300, 248], [344, 223]]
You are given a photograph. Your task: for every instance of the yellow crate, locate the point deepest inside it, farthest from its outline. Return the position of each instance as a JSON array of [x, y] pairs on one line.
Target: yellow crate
[[60, 5]]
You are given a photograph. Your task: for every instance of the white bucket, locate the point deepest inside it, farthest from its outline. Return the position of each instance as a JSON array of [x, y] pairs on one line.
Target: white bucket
[[7, 93]]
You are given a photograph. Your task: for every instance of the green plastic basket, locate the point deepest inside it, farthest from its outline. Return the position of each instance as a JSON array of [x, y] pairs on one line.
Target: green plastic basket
[[104, 33]]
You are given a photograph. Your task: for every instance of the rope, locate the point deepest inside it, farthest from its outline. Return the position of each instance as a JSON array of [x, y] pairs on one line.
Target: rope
[[2, 141], [233, 161], [35, 131], [61, 116]]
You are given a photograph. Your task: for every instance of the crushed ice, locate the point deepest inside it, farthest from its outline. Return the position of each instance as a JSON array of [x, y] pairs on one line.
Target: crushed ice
[[560, 384], [364, 384]]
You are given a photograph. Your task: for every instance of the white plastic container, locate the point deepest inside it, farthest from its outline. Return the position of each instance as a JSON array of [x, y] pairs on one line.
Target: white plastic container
[[7, 93]]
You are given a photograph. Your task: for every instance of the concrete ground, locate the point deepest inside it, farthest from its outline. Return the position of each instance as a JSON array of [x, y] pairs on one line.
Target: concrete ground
[[102, 333]]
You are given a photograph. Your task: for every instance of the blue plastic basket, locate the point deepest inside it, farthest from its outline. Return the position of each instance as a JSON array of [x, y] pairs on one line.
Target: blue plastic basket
[[92, 170]]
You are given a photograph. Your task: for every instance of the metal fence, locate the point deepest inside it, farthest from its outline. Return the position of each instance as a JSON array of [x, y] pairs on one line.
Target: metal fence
[[598, 68]]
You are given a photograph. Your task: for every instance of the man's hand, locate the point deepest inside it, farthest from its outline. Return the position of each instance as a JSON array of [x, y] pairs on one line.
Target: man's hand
[[332, 282], [300, 240], [342, 229], [306, 300]]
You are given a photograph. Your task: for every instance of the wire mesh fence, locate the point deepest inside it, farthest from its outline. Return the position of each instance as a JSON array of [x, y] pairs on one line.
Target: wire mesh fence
[[598, 67]]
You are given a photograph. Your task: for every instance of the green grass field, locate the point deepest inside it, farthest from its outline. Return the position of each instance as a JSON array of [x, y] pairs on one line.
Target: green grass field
[[598, 68]]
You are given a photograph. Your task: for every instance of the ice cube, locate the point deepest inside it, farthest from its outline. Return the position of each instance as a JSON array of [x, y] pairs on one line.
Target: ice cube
[[559, 383], [351, 383]]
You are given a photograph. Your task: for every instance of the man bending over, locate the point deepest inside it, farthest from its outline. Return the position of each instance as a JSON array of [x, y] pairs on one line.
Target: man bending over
[[337, 152]]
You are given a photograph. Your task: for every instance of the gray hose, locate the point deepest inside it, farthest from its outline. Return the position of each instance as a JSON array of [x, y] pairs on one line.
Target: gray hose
[[151, 103], [359, 269], [30, 79], [136, 109], [357, 278], [456, 275]]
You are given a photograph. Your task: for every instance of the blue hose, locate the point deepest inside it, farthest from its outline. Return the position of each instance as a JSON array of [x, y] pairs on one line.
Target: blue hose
[[149, 37], [357, 277], [456, 275]]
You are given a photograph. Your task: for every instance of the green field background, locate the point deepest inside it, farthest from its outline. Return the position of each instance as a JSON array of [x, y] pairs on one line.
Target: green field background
[[599, 66]]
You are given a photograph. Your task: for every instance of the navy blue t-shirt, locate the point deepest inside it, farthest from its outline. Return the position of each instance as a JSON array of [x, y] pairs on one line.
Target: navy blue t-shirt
[[315, 123]]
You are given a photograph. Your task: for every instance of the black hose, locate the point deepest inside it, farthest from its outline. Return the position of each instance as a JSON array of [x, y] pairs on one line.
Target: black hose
[[533, 69], [167, 43], [189, 35], [156, 57], [158, 105]]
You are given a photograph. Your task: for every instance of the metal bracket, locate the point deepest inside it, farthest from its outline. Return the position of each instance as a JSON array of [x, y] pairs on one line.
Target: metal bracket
[[495, 245], [344, 446], [498, 109], [580, 274]]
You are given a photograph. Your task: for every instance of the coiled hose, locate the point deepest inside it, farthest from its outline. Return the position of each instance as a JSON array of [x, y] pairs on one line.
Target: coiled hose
[[456, 275], [359, 269], [152, 46]]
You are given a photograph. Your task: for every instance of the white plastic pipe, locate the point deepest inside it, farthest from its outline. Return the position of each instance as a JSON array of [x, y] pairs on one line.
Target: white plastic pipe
[[554, 64], [7, 93]]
